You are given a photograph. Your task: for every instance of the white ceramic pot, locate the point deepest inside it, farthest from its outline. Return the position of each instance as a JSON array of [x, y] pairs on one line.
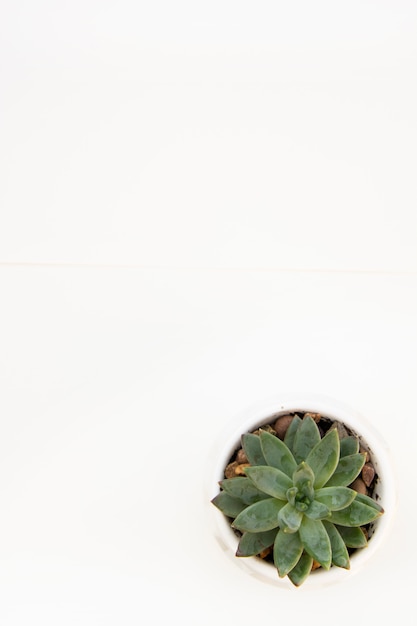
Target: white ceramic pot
[[267, 412]]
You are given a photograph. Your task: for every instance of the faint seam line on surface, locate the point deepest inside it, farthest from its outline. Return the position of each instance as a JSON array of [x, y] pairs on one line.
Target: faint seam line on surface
[[202, 268]]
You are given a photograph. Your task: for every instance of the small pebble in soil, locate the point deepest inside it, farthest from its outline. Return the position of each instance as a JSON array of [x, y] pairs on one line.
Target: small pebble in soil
[[367, 457], [359, 486], [235, 469], [266, 428], [281, 425], [230, 471], [368, 474], [241, 456], [315, 416]]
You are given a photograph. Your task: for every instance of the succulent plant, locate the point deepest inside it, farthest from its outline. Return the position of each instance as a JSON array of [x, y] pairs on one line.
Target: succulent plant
[[295, 499]]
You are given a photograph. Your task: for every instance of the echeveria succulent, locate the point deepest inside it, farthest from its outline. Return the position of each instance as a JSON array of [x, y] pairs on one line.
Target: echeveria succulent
[[295, 499]]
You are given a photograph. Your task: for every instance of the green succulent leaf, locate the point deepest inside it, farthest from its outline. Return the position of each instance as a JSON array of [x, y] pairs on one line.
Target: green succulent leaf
[[270, 480], [301, 570], [260, 516], [291, 495], [277, 454], [354, 537], [289, 518], [340, 555], [360, 497], [347, 470], [324, 457], [335, 498], [251, 445], [303, 479], [287, 552], [316, 541], [348, 446], [291, 431], [317, 510], [301, 505], [356, 514], [306, 437], [242, 488], [251, 544], [229, 505]]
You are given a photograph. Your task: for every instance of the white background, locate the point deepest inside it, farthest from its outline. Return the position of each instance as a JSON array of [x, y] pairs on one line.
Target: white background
[[201, 204]]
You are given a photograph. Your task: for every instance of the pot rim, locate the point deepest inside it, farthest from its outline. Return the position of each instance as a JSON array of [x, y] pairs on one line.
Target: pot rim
[[265, 412]]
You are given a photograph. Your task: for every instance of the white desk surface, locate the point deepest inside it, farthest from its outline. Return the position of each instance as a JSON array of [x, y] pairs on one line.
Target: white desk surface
[[200, 207], [107, 377]]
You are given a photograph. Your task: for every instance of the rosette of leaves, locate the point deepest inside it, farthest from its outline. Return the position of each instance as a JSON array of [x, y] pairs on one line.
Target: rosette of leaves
[[295, 498]]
